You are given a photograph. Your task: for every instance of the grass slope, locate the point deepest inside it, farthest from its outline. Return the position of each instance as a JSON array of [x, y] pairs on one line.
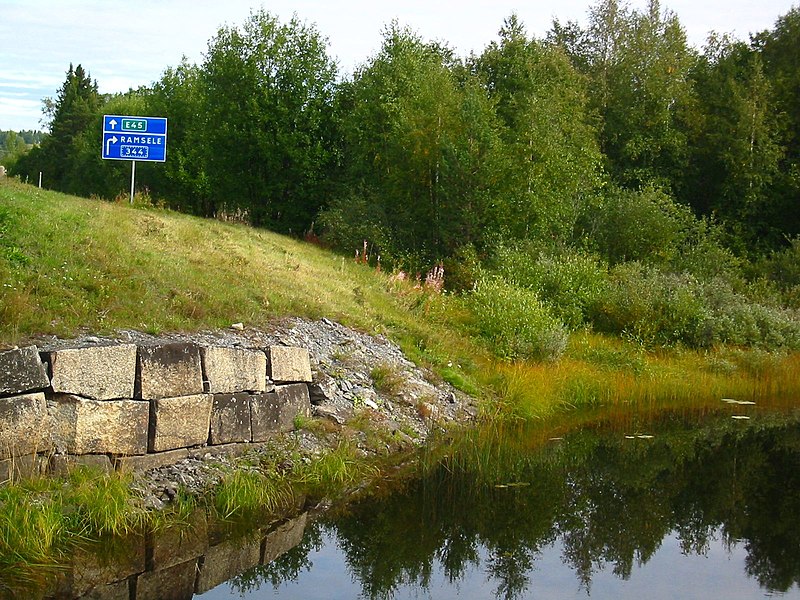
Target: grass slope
[[68, 263]]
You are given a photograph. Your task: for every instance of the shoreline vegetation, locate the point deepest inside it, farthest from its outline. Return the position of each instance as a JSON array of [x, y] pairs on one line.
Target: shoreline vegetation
[[74, 266]]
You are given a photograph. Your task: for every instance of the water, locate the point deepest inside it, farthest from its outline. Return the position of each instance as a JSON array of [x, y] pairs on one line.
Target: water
[[698, 510]]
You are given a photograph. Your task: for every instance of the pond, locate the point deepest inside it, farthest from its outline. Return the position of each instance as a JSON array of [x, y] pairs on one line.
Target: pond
[[678, 506], [646, 503]]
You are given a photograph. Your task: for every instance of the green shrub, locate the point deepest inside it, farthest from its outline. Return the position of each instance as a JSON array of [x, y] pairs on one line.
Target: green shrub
[[782, 268], [567, 281], [648, 306], [644, 225], [663, 309], [650, 227], [515, 321]]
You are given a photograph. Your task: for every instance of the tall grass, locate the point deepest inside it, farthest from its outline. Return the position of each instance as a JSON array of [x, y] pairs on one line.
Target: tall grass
[[252, 491], [610, 374], [336, 470], [41, 517]]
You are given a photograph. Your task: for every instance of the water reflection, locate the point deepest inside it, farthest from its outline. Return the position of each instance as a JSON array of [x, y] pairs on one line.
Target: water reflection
[[634, 507], [604, 503]]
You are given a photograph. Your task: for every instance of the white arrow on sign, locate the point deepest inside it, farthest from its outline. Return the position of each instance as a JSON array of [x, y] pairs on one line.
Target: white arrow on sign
[[109, 141], [113, 123]]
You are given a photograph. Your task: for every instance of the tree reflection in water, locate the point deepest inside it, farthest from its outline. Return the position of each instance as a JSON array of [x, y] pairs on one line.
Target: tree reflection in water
[[608, 500]]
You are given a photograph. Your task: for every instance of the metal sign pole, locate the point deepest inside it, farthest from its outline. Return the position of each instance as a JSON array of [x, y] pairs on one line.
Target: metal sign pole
[[133, 177]]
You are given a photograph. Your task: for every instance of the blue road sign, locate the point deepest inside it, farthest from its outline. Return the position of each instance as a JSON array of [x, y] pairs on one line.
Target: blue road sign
[[134, 138]]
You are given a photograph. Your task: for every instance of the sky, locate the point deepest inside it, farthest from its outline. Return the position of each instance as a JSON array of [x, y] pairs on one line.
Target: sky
[[125, 44]]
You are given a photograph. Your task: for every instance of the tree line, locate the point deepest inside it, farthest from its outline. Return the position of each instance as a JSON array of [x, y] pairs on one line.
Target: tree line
[[424, 153], [612, 148]]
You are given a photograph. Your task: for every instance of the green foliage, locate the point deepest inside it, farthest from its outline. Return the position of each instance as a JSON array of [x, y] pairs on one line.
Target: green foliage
[[514, 322], [549, 160], [644, 225], [267, 106], [782, 270], [569, 282], [418, 139], [736, 155], [649, 226], [656, 308], [72, 114]]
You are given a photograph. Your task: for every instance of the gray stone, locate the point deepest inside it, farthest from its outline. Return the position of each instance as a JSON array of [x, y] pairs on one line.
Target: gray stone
[[19, 467], [175, 545], [231, 370], [174, 583], [230, 418], [323, 388], [101, 372], [338, 414], [223, 451], [169, 371], [180, 422], [23, 425], [21, 370], [126, 464], [293, 401], [226, 560], [288, 364], [63, 464], [81, 426], [284, 537], [264, 416]]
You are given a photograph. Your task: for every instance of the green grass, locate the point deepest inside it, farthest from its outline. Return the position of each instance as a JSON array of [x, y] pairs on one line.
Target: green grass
[[252, 491], [387, 379], [336, 470], [70, 263], [41, 517]]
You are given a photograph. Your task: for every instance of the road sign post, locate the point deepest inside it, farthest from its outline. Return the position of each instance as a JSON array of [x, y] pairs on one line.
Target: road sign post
[[134, 138]]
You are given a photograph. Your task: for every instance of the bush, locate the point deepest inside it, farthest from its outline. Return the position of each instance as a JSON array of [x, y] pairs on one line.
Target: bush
[[663, 309], [650, 227], [351, 219], [515, 321], [643, 225], [649, 306], [567, 281], [782, 269]]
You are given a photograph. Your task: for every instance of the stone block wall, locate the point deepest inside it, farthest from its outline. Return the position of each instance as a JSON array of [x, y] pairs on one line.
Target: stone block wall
[[126, 406]]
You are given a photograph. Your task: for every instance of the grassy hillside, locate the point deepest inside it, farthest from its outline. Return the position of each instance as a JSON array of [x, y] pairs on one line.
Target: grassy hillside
[[69, 265]]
